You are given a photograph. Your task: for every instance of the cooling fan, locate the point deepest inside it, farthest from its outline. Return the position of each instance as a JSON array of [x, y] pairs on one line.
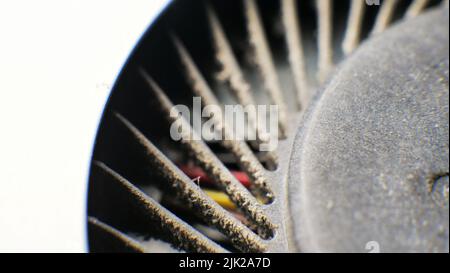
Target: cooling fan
[[362, 155]]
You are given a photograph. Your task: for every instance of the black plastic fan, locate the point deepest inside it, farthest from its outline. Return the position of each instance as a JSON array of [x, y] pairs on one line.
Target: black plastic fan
[[362, 156]]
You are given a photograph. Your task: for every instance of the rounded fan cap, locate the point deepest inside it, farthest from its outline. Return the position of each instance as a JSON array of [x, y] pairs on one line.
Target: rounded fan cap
[[370, 164]]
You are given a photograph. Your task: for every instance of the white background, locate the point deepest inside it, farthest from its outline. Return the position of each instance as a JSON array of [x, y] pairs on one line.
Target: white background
[[58, 60]]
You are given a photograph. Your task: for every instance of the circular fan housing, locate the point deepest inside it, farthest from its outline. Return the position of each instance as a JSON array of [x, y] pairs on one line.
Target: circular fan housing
[[362, 157]]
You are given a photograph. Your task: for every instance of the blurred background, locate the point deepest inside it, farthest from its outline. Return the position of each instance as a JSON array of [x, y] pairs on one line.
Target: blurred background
[[58, 62]]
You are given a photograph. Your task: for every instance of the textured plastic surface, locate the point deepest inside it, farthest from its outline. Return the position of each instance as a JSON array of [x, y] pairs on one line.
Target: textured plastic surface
[[370, 166]]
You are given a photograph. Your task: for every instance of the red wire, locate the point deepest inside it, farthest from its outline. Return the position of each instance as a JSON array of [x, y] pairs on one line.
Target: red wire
[[195, 172]]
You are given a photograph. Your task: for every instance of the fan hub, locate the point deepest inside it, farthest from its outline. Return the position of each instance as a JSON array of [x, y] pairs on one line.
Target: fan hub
[[374, 146]]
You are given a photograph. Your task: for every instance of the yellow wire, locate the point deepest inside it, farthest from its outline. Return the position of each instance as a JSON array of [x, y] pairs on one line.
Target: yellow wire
[[221, 199]]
